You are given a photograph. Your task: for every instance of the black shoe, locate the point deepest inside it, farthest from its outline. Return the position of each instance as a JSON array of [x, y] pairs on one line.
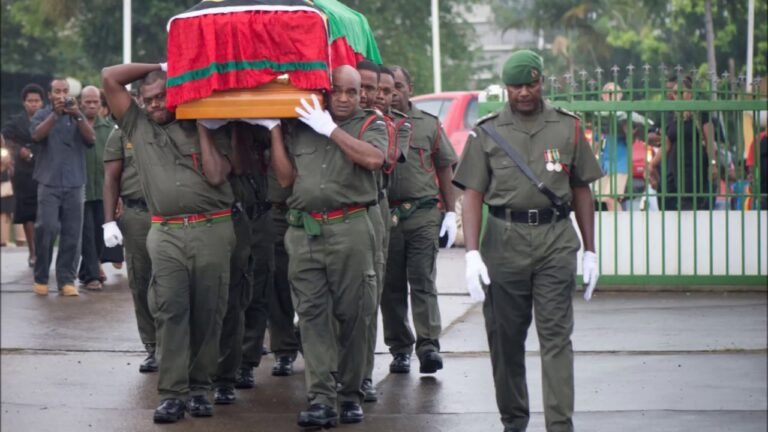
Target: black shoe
[[401, 363], [431, 362], [318, 415], [200, 406], [283, 365], [169, 411], [150, 363], [244, 378], [224, 395], [369, 390], [351, 412]]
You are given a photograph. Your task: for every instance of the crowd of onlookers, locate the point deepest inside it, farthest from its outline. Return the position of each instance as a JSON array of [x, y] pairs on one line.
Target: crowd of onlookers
[[75, 221], [685, 156]]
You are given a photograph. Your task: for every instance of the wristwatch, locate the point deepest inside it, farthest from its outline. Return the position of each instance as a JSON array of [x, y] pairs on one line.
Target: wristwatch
[[78, 119]]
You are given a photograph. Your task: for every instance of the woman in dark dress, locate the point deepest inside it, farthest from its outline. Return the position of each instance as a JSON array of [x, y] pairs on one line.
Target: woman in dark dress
[[689, 150], [19, 142]]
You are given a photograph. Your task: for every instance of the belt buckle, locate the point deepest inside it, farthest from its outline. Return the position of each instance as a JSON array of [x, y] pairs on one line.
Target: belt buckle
[[186, 220], [533, 217]]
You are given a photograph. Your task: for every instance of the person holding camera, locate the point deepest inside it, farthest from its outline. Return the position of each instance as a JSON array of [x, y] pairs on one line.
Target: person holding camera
[[62, 135]]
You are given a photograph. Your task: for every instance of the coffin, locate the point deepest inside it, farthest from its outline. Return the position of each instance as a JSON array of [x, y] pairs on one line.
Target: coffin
[[225, 57]]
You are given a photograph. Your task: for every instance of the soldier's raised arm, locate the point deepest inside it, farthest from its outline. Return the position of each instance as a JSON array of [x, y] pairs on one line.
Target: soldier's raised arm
[[115, 78]]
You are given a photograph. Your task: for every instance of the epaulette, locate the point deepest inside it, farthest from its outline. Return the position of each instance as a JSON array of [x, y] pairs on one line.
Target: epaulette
[[398, 113], [487, 117], [566, 112], [430, 115]]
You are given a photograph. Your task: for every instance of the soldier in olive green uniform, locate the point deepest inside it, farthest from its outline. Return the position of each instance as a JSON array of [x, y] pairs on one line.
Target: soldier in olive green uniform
[[377, 86], [245, 214], [184, 179], [530, 244], [283, 340], [256, 314], [331, 243], [121, 179], [413, 244]]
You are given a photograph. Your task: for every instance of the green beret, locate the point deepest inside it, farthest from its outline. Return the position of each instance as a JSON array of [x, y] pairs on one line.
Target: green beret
[[522, 67]]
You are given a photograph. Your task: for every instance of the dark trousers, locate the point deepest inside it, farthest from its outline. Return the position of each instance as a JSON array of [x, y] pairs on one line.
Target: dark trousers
[[59, 212], [282, 332], [257, 310], [93, 241]]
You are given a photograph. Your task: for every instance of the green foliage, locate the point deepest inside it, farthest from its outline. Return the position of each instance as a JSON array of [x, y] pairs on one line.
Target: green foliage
[[79, 37], [587, 34], [403, 32]]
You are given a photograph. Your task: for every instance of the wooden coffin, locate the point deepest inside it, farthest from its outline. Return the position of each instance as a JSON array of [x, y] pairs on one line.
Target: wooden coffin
[[271, 100]]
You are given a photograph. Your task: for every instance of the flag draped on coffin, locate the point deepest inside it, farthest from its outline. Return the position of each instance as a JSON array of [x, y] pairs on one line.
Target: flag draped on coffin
[[239, 44], [351, 36]]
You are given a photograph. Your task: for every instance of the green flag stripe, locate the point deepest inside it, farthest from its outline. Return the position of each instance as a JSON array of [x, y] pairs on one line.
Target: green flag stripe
[[232, 66]]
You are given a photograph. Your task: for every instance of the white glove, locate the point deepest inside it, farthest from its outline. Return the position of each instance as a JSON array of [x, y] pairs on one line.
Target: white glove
[[213, 123], [267, 123], [316, 117], [589, 273], [449, 226], [164, 67], [112, 234], [475, 272]]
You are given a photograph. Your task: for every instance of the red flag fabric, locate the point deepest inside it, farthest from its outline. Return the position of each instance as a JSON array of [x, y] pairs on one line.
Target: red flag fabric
[[245, 47]]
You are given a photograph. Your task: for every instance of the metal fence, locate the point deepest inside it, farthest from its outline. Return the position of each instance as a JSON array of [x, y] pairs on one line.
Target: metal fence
[[681, 202]]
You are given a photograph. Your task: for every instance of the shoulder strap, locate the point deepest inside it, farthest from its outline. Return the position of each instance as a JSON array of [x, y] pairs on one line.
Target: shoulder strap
[[518, 160]]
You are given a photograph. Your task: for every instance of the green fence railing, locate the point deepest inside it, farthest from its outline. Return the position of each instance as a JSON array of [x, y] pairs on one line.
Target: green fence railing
[[683, 200]]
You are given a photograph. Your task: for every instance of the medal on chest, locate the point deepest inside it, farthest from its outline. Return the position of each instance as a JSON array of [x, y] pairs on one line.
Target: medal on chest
[[552, 159]]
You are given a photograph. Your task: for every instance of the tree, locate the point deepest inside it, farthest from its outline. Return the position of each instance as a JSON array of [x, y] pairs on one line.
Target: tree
[[404, 35], [79, 37], [606, 32]]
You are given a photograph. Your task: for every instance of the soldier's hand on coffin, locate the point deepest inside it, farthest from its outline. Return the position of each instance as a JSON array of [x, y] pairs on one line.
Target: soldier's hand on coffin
[[316, 117], [267, 123]]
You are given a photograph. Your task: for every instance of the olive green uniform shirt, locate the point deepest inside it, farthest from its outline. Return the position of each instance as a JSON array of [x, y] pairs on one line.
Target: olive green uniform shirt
[[277, 194], [170, 164], [429, 147], [94, 165], [325, 177], [486, 168], [119, 148]]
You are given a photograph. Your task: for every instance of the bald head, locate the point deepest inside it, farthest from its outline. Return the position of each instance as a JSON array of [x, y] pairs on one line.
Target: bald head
[[345, 96], [90, 102]]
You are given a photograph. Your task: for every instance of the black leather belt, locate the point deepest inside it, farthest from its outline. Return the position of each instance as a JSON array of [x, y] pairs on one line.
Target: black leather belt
[[135, 204], [531, 217]]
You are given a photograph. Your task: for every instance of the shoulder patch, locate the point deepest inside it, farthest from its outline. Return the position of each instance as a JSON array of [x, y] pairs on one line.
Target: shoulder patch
[[487, 117], [430, 115], [398, 113], [566, 112], [369, 111]]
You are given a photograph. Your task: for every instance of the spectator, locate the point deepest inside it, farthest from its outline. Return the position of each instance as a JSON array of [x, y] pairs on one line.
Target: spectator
[[90, 273], [761, 164], [62, 135], [6, 193], [613, 157], [686, 147], [22, 148]]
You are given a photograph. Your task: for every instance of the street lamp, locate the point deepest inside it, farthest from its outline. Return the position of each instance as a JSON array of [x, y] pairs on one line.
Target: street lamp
[[436, 69]]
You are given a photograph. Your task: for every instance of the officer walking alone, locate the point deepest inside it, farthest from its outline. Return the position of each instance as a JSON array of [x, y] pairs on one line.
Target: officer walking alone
[[530, 244]]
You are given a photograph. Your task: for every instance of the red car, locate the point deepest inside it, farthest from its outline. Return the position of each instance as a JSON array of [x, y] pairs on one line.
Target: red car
[[457, 111]]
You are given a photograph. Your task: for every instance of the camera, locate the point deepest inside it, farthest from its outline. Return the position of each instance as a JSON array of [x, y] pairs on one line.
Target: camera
[[69, 102]]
